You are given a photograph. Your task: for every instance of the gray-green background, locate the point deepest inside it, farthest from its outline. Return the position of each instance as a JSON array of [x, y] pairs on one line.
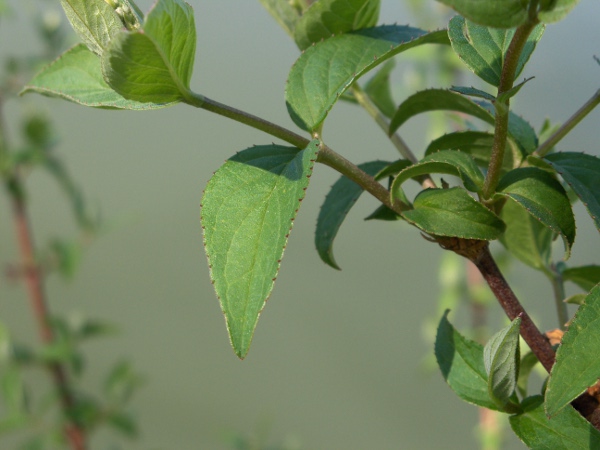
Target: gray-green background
[[337, 359]]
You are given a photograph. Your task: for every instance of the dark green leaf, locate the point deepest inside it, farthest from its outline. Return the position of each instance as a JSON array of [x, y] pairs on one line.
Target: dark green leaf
[[544, 198], [284, 13], [326, 18], [453, 212], [461, 363], [497, 13], [340, 199], [473, 92], [323, 72], [577, 364], [76, 76], [248, 210], [585, 277], [501, 360], [568, 430]]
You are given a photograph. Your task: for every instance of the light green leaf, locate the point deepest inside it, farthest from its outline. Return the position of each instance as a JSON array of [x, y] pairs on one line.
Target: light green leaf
[[248, 210], [453, 212], [526, 366], [501, 360], [582, 173], [378, 88], [461, 363], [568, 430], [95, 21], [526, 237], [324, 72], [154, 64], [483, 49], [340, 199], [543, 197], [497, 13], [76, 76], [586, 277], [326, 18], [555, 10], [577, 364], [575, 299], [284, 13]]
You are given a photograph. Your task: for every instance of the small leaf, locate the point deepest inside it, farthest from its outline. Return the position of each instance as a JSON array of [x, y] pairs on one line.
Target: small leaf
[[585, 277], [526, 237], [544, 198], [453, 212], [461, 363], [501, 360], [497, 13], [340, 199], [473, 92], [284, 13], [326, 18], [582, 173], [483, 49], [324, 72], [575, 299], [568, 430], [555, 10], [76, 76], [577, 365], [154, 64], [248, 210]]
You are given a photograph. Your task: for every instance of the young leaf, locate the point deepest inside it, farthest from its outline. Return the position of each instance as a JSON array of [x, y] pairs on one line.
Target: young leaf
[[577, 365], [586, 277], [284, 13], [326, 18], [544, 198], [497, 13], [526, 237], [501, 360], [76, 76], [324, 72], [581, 172], [248, 210], [568, 430], [461, 363], [154, 64], [483, 49], [342, 196], [453, 212]]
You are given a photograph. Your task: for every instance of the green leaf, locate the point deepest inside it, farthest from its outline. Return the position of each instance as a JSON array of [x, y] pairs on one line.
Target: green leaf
[[461, 363], [497, 13], [582, 173], [526, 237], [473, 92], [453, 212], [501, 361], [378, 88], [248, 210], [568, 430], [543, 197], [526, 366], [154, 64], [575, 299], [519, 130], [555, 10], [13, 390], [449, 162], [324, 72], [76, 76], [577, 365], [326, 18], [585, 277], [340, 199], [483, 49], [95, 21], [284, 13]]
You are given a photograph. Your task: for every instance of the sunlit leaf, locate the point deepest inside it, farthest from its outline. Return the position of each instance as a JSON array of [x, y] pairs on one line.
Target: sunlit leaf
[[497, 13]]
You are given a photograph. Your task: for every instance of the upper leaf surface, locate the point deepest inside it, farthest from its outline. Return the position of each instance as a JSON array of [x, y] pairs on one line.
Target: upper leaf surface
[[76, 76], [577, 365], [544, 198], [555, 10], [326, 18], [497, 13], [247, 212], [154, 64], [324, 71], [340, 199]]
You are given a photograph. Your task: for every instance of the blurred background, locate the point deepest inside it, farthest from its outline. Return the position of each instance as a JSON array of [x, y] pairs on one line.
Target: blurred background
[[340, 360]]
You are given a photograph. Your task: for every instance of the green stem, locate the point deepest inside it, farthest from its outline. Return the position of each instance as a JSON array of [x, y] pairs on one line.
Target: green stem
[[571, 123]]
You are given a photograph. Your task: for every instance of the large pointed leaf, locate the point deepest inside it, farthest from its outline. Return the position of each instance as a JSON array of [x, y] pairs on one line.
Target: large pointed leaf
[[247, 212], [453, 212], [326, 18], [577, 364], [461, 363], [284, 13], [496, 13], [568, 430], [340, 199], [582, 172], [154, 64], [544, 198], [483, 49], [76, 76], [323, 72], [586, 277]]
